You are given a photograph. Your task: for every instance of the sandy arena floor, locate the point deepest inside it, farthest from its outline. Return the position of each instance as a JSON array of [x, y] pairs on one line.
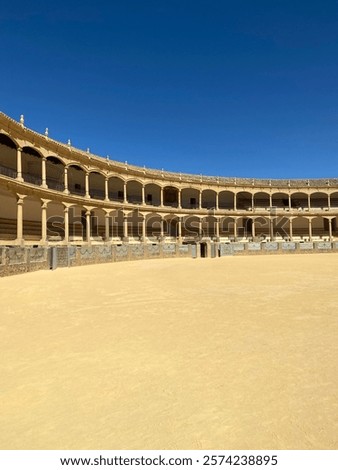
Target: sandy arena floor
[[238, 352]]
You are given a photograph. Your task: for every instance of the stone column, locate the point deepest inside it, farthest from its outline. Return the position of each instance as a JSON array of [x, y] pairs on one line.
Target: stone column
[[162, 228], [329, 201], [309, 201], [144, 228], [66, 217], [88, 228], [107, 220], [235, 229], [252, 201], [179, 205], [43, 171], [290, 230], [217, 228], [125, 226], [200, 199], [271, 229], [200, 232], [143, 195], [290, 205], [19, 218], [253, 229], [217, 197], [235, 201], [161, 197], [106, 192], [180, 229], [330, 229], [66, 180], [125, 200], [87, 185], [19, 164], [310, 229], [44, 204]]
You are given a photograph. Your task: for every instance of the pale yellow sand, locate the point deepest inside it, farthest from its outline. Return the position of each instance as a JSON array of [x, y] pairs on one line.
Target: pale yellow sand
[[238, 352]]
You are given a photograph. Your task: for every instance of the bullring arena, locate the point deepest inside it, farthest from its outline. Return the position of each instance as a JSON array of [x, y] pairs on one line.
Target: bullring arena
[[197, 346]]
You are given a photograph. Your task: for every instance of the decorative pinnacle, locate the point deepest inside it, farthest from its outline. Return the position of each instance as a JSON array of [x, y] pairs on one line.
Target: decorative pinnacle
[[69, 143], [88, 150], [46, 132], [22, 120]]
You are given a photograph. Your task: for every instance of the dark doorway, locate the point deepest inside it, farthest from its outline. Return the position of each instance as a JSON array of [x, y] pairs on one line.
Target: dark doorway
[[204, 250]]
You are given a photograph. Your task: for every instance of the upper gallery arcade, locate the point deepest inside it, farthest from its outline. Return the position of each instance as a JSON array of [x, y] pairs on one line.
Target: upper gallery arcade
[[54, 193]]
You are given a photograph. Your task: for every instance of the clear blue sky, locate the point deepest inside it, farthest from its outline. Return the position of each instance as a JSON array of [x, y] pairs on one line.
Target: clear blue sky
[[231, 88]]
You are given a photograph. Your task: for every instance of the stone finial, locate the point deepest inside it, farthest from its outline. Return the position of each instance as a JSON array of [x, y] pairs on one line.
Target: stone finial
[[69, 143], [88, 150], [107, 157], [46, 132], [22, 120]]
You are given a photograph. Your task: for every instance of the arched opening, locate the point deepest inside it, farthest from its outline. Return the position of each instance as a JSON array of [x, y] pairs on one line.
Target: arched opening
[[32, 214], [261, 200], [209, 226], [280, 200], [8, 215], [97, 224], [55, 173], [320, 228], [153, 226], [135, 222], [8, 154], [334, 200], [55, 222], [190, 198], [227, 228], [76, 180], [117, 224], [77, 224], [134, 192], [96, 185], [171, 226], [319, 200], [244, 200], [116, 189], [191, 226], [226, 200], [299, 201], [31, 166], [300, 228], [262, 228], [152, 194], [208, 199], [170, 196]]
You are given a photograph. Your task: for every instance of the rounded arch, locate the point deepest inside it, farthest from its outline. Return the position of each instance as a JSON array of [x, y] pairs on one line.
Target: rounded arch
[[152, 194], [8, 140], [55, 169], [8, 215], [96, 185], [300, 228], [134, 191], [334, 199], [55, 221], [116, 188], [190, 198], [227, 227], [280, 200], [299, 200], [76, 179], [154, 223], [170, 196], [244, 200], [32, 216], [261, 199], [226, 200], [319, 199], [31, 161], [8, 156], [209, 226], [171, 225], [320, 228], [208, 199], [191, 226]]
